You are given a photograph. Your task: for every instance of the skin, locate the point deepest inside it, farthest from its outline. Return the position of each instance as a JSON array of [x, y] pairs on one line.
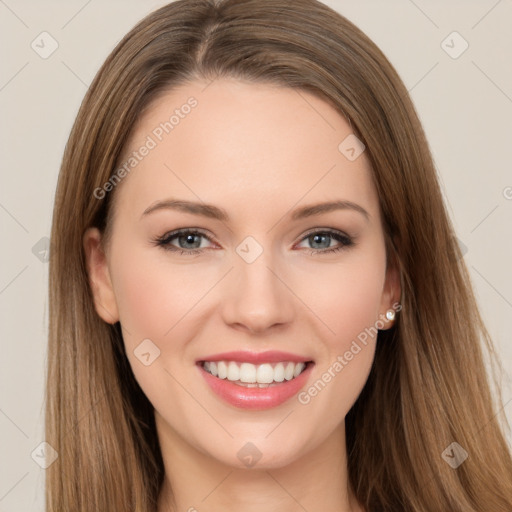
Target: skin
[[259, 152]]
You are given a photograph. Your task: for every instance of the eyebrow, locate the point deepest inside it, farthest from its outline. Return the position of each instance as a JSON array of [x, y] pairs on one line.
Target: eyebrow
[[214, 212]]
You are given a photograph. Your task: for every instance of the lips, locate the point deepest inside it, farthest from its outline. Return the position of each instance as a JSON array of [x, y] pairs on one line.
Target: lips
[[251, 380]]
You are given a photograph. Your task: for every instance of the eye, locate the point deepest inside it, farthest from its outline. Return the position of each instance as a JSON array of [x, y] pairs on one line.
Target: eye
[[324, 238], [189, 241]]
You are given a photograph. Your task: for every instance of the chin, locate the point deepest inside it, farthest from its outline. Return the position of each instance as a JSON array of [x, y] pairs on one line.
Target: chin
[[257, 454]]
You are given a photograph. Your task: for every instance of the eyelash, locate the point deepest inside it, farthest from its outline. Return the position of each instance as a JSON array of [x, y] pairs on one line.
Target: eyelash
[[164, 241]]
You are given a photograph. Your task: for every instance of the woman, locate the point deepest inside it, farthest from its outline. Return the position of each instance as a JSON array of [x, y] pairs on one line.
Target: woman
[[256, 296]]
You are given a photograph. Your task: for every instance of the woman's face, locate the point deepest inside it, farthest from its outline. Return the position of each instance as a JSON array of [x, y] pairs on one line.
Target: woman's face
[[262, 283]]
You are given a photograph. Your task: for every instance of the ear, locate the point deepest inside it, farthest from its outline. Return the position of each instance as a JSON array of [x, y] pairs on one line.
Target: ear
[[99, 276], [390, 295]]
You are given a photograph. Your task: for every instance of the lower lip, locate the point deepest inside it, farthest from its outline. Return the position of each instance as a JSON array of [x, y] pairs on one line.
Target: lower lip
[[256, 398]]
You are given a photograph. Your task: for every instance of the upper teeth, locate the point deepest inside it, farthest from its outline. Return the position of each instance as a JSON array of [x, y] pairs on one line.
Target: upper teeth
[[254, 373]]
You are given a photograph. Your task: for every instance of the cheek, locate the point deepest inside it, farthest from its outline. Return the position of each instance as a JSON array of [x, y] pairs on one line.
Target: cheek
[[347, 297], [349, 306], [155, 301], [153, 295], [139, 294]]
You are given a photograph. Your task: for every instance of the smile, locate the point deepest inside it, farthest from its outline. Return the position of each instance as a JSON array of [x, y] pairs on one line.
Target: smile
[[252, 375], [255, 381]]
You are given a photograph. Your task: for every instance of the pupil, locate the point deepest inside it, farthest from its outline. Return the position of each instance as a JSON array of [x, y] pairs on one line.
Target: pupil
[[189, 239], [317, 237]]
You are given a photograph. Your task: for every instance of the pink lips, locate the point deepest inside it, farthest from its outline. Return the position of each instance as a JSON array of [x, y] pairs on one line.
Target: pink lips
[[256, 398]]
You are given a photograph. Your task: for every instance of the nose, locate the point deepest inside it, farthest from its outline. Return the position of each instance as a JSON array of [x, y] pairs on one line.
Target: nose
[[256, 297]]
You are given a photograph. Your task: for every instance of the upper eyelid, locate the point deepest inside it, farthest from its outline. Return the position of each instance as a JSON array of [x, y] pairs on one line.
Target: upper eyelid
[[195, 231]]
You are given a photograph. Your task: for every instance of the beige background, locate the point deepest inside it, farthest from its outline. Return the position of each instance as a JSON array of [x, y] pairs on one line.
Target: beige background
[[465, 104]]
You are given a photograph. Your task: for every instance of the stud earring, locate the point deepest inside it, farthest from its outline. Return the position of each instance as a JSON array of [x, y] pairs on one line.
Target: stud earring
[[390, 314]]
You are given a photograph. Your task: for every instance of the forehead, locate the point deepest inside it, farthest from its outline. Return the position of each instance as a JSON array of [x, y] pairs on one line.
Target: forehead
[[250, 147]]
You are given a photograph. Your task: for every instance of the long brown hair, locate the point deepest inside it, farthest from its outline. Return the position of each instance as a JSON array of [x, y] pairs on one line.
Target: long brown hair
[[428, 387]]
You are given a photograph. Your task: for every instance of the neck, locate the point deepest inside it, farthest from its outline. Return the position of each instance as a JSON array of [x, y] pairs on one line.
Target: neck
[[316, 480]]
